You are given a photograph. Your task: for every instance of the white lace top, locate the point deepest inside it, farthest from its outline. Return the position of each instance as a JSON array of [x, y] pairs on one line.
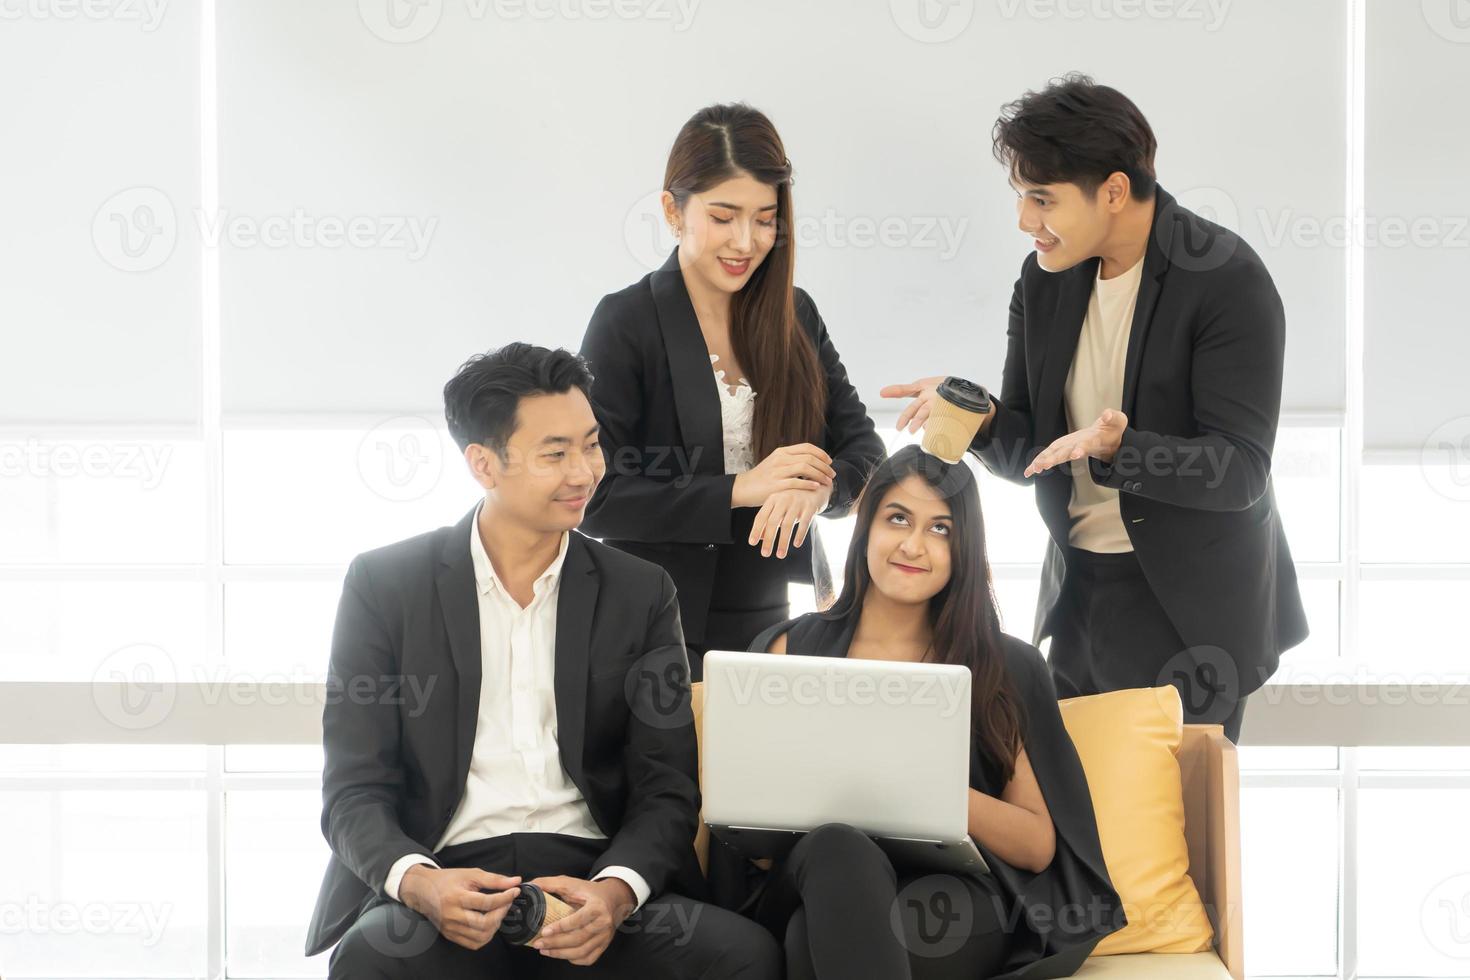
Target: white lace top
[[737, 413]]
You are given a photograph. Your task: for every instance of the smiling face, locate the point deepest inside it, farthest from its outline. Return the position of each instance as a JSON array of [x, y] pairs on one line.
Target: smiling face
[[728, 230], [1066, 224], [909, 542], [552, 463]]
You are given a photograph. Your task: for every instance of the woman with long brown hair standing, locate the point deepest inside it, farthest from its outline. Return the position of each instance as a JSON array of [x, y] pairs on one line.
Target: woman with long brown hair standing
[[726, 416]]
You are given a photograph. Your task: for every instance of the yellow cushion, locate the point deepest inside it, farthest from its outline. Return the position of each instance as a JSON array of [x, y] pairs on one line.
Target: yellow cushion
[[1127, 741]]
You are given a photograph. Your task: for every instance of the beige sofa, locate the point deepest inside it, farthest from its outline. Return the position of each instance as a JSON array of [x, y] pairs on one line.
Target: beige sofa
[[1211, 775]]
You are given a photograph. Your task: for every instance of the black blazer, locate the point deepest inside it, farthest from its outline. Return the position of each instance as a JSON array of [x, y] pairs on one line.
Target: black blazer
[[1202, 392], [403, 696], [666, 496]]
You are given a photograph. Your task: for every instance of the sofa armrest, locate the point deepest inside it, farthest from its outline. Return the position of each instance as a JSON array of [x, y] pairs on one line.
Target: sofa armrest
[[701, 837], [1210, 770]]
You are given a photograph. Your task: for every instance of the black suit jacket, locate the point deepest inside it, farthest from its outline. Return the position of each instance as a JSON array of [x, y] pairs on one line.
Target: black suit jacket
[[666, 496], [1202, 392], [403, 701]]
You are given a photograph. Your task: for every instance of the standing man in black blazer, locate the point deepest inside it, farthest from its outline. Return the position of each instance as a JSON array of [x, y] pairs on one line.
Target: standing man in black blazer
[[1140, 395], [508, 703]]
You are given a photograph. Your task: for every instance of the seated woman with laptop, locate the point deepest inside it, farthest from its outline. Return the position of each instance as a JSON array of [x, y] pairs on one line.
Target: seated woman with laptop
[[917, 590]]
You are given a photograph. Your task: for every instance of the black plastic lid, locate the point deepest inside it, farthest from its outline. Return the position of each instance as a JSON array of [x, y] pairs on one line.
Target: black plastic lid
[[964, 394]]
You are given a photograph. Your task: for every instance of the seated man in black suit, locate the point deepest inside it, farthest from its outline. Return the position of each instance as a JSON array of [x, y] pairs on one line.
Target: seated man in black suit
[[508, 703]]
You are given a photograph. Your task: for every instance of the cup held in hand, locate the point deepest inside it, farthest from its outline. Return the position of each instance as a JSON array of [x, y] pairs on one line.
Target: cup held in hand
[[530, 912], [954, 419]]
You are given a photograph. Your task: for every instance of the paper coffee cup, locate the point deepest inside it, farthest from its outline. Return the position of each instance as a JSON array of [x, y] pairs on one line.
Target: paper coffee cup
[[954, 419], [531, 911]]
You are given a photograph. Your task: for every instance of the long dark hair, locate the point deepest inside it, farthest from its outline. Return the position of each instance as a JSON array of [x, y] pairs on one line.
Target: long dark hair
[[779, 359], [964, 615]]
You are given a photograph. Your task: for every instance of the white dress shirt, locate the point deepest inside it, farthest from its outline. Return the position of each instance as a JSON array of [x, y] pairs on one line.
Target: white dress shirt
[[516, 782]]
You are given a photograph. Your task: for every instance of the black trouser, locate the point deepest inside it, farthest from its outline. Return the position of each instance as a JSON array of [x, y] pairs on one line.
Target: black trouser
[[750, 594], [1109, 633], [845, 913], [669, 937], [732, 631]]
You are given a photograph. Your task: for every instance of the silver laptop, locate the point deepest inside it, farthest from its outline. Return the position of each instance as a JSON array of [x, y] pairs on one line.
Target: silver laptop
[[791, 743]]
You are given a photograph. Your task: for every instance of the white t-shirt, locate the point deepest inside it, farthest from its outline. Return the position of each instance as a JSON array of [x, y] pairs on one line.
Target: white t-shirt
[[1095, 382]]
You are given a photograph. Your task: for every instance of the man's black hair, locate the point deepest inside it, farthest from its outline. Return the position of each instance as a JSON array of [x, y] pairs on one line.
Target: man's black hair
[[480, 401], [1075, 131]]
